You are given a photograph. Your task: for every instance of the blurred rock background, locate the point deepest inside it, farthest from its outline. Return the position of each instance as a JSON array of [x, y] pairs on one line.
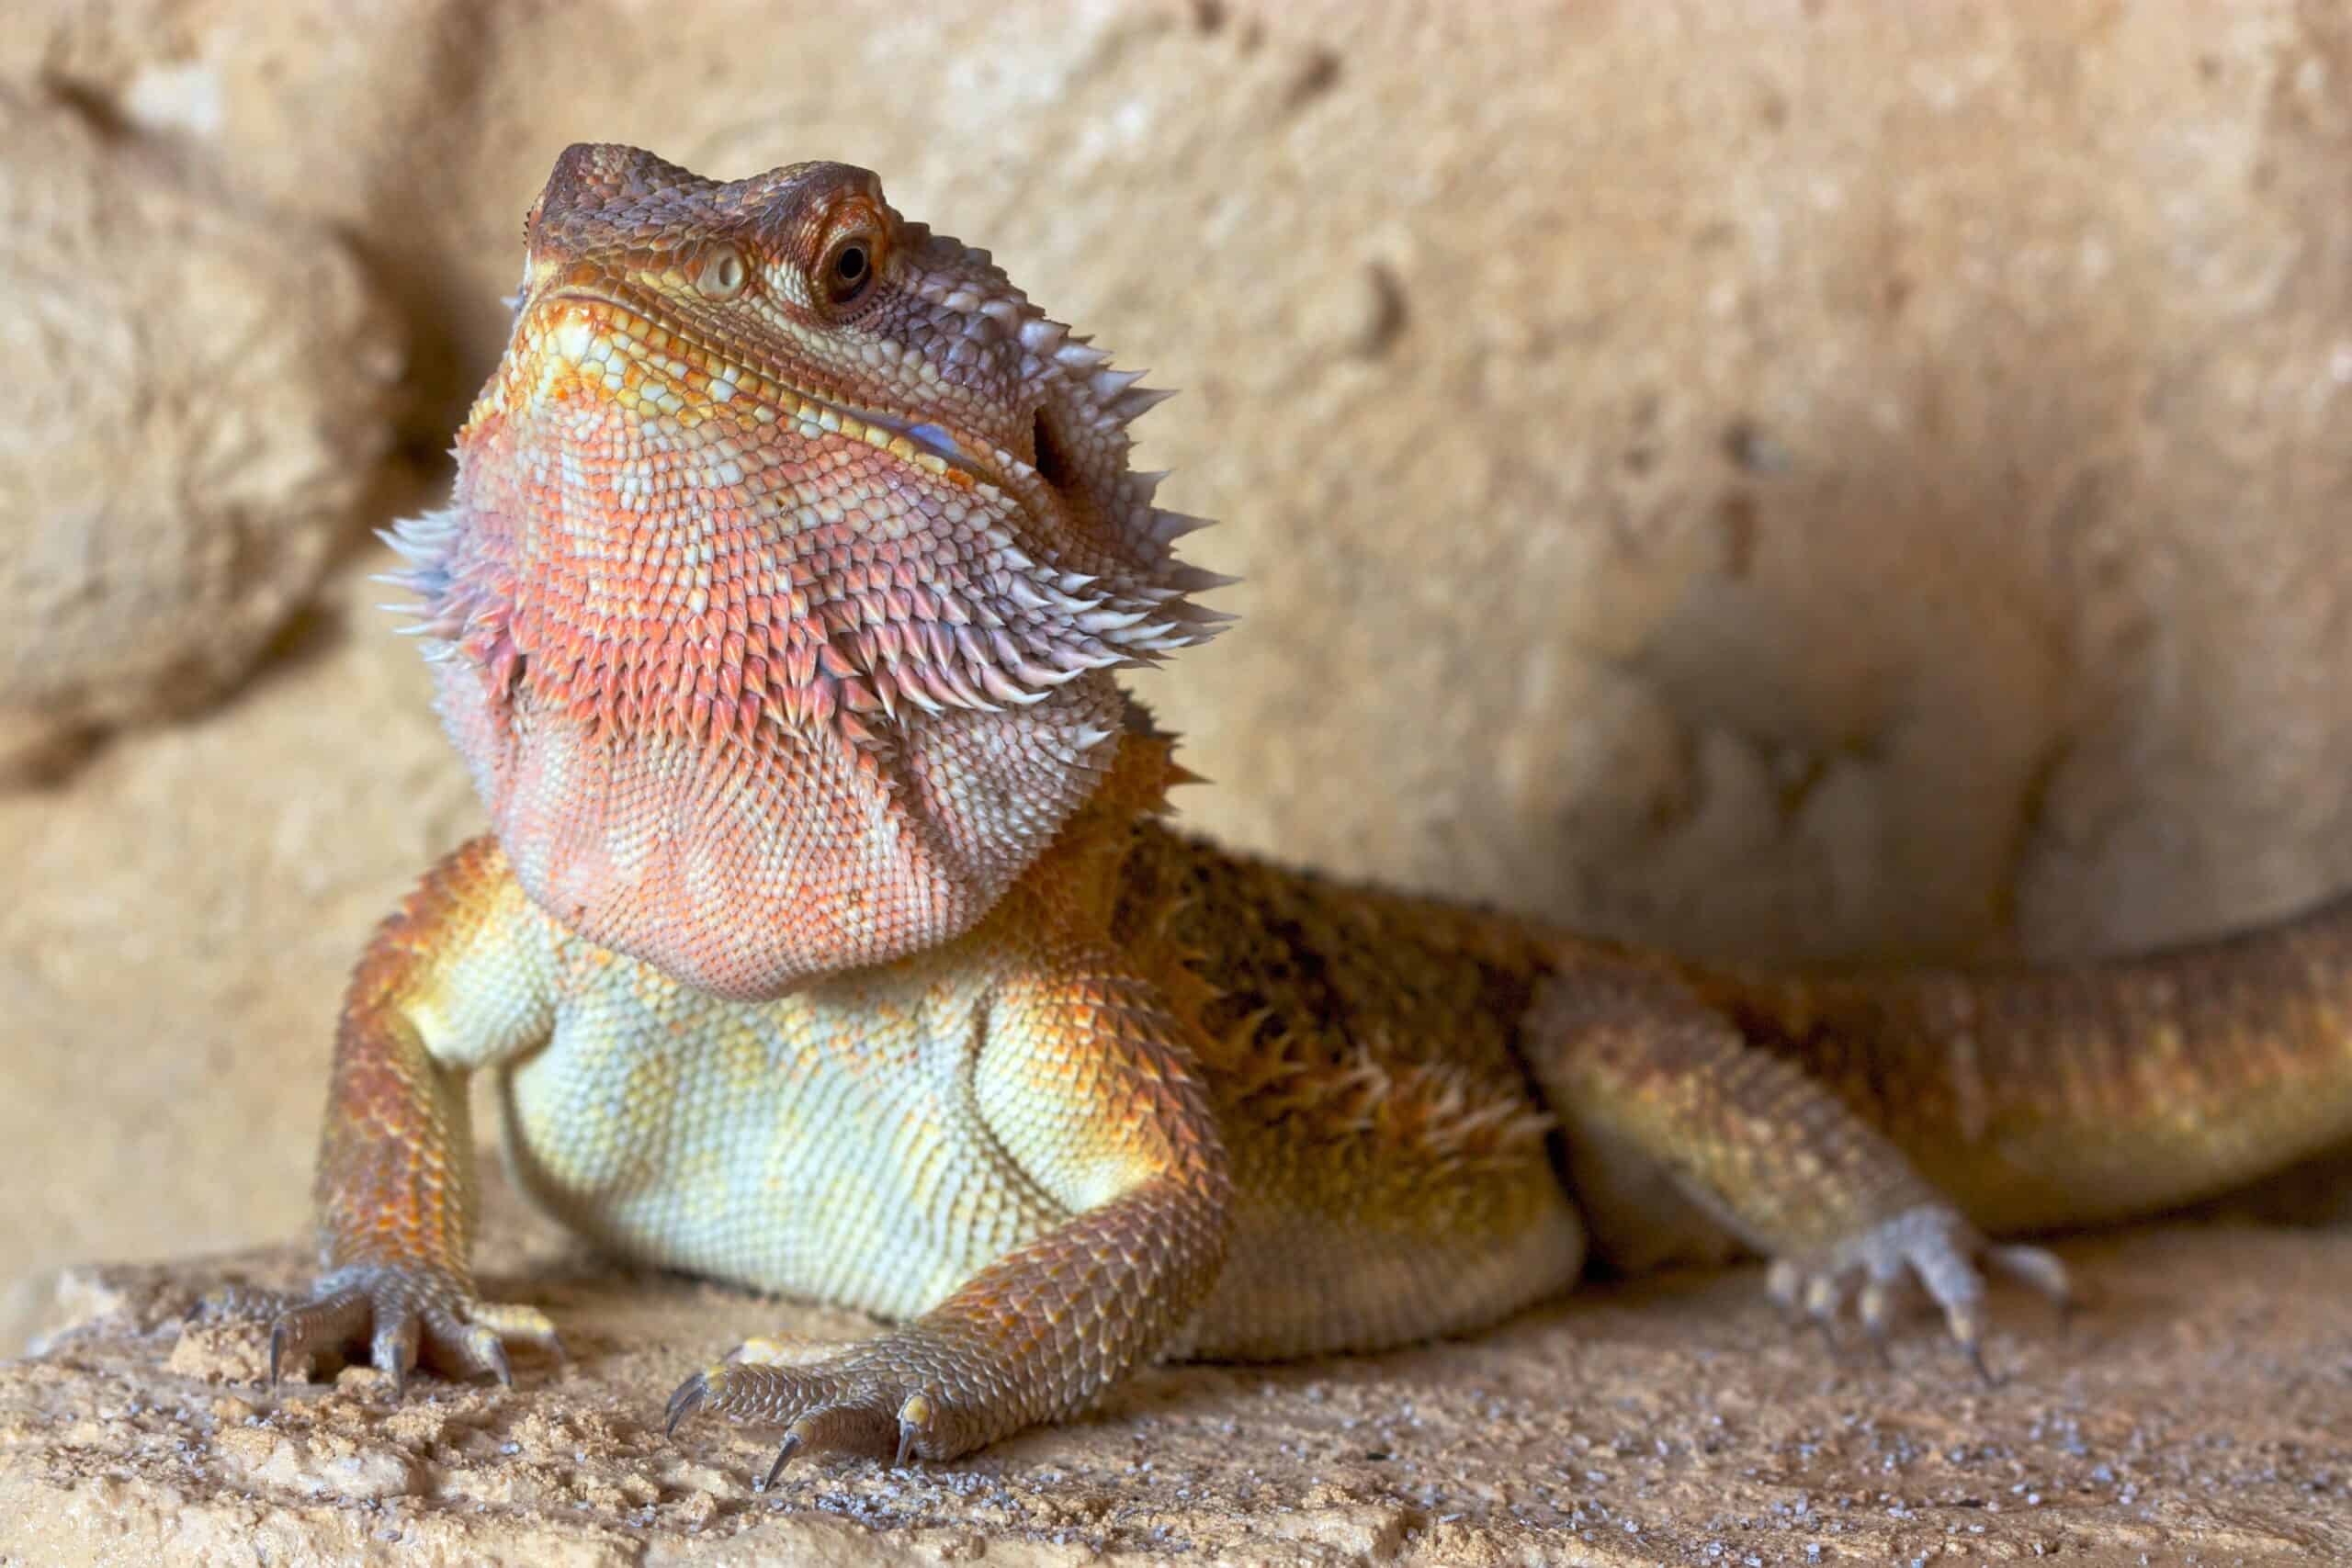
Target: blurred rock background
[[1794, 482]]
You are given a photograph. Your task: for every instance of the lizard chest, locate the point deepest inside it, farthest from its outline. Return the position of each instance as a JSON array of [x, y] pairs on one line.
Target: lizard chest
[[826, 1146]]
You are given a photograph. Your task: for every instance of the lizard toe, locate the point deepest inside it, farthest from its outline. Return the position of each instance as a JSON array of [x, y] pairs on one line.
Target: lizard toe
[[1929, 1249], [2036, 1267], [847, 1402], [1877, 1304], [857, 1428], [392, 1348], [457, 1348], [325, 1321], [519, 1323], [407, 1319]]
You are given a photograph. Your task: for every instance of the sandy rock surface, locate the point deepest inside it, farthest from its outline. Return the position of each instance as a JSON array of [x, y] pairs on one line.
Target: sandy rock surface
[[2198, 1410]]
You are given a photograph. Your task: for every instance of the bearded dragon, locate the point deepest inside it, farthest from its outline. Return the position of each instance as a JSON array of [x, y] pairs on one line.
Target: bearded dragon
[[831, 937]]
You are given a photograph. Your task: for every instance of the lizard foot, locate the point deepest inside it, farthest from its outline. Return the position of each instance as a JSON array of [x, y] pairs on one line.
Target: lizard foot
[[407, 1317], [867, 1400], [1930, 1247]]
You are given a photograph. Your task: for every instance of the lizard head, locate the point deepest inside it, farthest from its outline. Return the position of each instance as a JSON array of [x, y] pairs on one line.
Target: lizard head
[[790, 553]]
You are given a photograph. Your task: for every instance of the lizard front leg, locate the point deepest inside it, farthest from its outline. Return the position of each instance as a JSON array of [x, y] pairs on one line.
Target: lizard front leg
[[448, 984], [1084, 1082], [1642, 1073]]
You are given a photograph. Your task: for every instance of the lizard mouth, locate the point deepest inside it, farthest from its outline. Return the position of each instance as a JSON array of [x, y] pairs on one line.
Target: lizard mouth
[[589, 329]]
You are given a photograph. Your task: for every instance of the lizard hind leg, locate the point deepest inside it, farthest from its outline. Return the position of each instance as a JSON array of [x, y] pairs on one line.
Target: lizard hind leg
[[1685, 1139]]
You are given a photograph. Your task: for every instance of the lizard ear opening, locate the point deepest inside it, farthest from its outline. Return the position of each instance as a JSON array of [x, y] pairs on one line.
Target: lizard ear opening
[[1051, 461]]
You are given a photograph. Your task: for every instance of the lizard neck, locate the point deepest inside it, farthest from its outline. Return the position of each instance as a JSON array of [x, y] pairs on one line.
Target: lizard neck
[[1079, 875]]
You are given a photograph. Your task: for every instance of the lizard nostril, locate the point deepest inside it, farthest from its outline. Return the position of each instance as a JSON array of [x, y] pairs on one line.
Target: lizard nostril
[[722, 274]]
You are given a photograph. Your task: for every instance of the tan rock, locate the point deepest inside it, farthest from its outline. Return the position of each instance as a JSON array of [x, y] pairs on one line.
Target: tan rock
[[203, 390], [2182, 1419], [178, 926]]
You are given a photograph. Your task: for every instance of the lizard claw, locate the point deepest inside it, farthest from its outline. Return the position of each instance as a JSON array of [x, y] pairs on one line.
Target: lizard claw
[[685, 1403], [406, 1317], [914, 1419], [1930, 1248], [851, 1402], [489, 1351], [784, 1450]]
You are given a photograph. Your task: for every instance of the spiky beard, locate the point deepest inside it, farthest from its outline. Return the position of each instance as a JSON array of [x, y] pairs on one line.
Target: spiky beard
[[781, 688]]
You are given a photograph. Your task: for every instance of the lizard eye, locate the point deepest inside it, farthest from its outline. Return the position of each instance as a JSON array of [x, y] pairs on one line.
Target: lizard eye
[[722, 274], [848, 269]]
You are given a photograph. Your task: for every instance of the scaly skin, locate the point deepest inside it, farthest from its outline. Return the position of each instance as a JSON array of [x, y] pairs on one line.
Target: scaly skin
[[832, 938]]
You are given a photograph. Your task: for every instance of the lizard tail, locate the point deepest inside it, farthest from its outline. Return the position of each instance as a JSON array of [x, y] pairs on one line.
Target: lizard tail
[[2070, 1095]]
